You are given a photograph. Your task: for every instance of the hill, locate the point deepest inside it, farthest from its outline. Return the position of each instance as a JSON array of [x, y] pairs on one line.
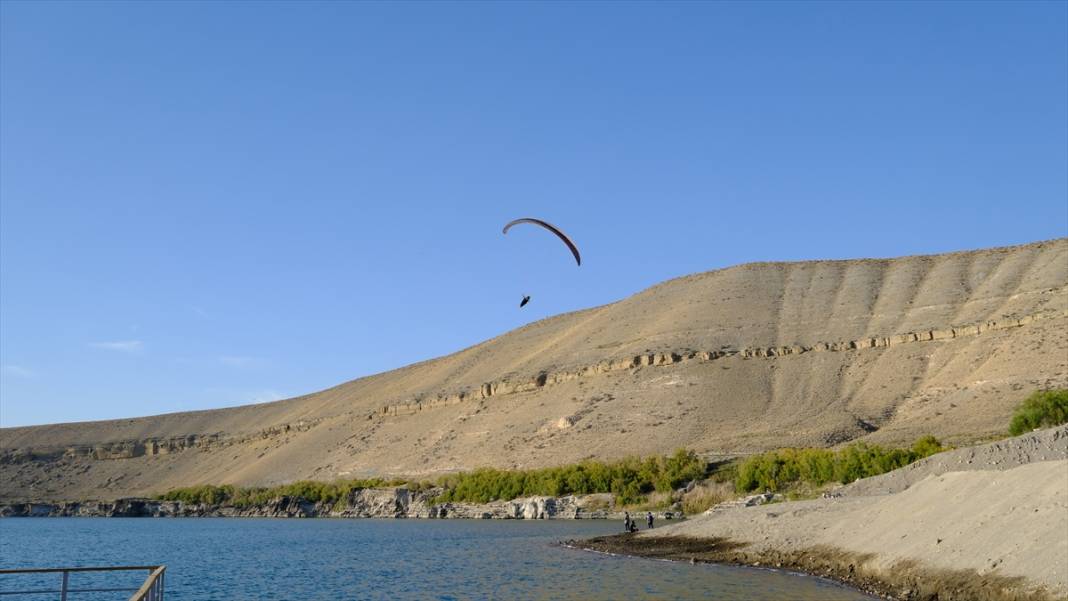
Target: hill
[[725, 362], [983, 523]]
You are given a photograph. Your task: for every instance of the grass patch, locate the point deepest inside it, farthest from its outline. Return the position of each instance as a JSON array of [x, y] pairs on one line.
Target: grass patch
[[705, 495], [1043, 409], [654, 501]]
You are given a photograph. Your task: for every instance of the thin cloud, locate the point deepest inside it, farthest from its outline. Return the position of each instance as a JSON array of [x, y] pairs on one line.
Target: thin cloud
[[228, 397], [122, 346], [265, 396], [18, 371]]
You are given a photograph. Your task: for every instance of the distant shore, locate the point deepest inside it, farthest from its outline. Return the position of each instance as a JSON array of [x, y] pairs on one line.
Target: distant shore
[[365, 503]]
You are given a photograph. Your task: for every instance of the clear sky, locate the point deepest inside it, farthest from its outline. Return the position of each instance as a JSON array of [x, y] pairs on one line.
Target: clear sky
[[210, 204]]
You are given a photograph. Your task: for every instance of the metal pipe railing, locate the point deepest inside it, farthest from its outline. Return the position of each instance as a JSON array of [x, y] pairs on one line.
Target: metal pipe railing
[[151, 590]]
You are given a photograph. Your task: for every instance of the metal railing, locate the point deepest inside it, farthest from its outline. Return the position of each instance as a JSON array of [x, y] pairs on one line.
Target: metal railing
[[151, 590]]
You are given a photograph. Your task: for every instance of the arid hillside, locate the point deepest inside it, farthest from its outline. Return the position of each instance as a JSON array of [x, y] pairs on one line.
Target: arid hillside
[[741, 359]]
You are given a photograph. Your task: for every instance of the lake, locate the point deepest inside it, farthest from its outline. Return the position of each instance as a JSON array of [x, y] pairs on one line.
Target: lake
[[376, 559]]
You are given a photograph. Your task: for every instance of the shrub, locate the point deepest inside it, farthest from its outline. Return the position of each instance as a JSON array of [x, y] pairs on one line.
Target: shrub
[[926, 446], [1043, 409], [629, 480], [777, 470], [205, 494], [309, 490]]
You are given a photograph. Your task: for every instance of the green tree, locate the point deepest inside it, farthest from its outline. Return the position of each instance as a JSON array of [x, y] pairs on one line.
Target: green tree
[[1043, 409]]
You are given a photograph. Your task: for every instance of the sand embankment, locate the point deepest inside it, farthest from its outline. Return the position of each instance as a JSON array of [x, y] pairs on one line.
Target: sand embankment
[[978, 533]]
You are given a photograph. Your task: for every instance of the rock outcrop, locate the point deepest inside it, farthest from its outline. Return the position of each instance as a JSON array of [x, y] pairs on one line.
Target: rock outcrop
[[504, 387], [361, 503]]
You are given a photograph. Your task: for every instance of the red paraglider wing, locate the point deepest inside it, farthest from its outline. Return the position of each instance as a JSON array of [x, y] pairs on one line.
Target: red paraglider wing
[[552, 228]]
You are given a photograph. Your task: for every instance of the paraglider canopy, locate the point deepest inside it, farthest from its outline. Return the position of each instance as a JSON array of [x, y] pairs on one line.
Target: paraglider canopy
[[551, 228]]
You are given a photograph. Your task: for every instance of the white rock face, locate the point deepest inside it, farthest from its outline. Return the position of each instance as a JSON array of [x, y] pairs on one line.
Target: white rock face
[[363, 503]]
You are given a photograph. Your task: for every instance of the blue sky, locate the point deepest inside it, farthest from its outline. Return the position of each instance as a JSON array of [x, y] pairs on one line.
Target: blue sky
[[210, 204]]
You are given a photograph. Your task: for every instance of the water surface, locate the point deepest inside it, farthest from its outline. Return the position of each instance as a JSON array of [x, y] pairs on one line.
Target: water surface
[[378, 559]]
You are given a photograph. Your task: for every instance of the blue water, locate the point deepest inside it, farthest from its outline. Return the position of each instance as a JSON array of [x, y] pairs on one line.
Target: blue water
[[266, 559]]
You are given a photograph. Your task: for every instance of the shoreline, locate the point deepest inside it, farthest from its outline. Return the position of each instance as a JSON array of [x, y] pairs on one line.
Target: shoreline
[[908, 581], [387, 503], [982, 523], [583, 545]]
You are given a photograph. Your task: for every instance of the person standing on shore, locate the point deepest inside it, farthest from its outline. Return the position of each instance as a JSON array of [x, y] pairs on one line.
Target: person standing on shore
[[649, 520], [626, 521]]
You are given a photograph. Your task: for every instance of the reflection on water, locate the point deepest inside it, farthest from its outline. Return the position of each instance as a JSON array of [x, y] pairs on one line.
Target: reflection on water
[[381, 559]]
